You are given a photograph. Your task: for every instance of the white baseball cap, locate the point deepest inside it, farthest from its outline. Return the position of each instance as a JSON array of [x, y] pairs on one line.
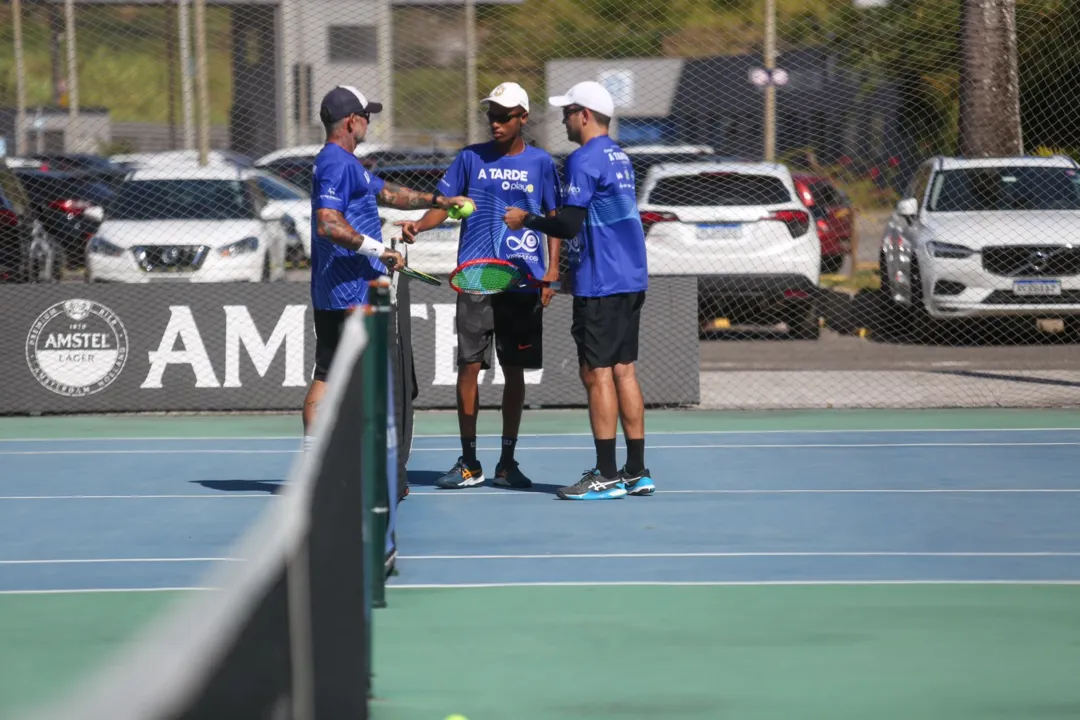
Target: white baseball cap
[[509, 95], [588, 94]]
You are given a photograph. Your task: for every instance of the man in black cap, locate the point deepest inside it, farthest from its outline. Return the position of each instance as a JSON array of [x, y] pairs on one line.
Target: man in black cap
[[347, 252]]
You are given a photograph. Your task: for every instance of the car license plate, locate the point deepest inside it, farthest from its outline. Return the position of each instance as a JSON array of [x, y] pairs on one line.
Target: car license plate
[[1036, 287], [719, 231]]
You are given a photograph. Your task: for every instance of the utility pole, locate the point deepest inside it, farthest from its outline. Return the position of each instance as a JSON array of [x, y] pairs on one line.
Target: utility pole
[[472, 104], [202, 81], [20, 79], [73, 74], [187, 92], [770, 89]]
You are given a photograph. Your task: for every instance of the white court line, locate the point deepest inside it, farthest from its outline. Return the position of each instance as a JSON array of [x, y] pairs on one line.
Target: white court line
[[111, 561], [785, 491], [81, 591], [828, 431], [138, 497], [549, 448], [775, 446], [615, 583], [204, 496], [721, 583], [160, 451], [511, 493], [868, 554]]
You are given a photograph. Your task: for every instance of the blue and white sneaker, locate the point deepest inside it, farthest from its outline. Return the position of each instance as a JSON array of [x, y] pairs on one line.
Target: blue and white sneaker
[[640, 484], [461, 476], [592, 486]]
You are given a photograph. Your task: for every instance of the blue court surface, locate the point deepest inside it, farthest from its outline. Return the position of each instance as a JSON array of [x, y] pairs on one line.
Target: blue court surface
[[793, 506], [907, 506]]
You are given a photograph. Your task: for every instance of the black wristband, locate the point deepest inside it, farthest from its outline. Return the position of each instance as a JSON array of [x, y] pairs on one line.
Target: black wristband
[[530, 218], [435, 198]]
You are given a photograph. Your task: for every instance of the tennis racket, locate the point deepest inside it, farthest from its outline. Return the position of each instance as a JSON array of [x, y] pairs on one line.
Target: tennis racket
[[417, 275], [489, 276]]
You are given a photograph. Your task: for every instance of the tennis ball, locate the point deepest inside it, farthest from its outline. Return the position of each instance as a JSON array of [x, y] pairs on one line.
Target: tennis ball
[[460, 213], [456, 717]]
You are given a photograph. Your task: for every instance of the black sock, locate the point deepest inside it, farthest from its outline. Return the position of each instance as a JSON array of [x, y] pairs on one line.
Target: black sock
[[605, 458], [468, 450], [508, 450], [635, 456]]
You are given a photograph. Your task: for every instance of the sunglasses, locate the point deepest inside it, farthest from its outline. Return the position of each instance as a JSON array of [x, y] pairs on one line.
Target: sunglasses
[[571, 110], [503, 118]]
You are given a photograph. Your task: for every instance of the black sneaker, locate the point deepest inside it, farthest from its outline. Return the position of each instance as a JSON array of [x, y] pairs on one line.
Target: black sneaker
[[510, 475]]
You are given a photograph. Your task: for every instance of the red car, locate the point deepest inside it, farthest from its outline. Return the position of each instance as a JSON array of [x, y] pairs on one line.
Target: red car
[[833, 215]]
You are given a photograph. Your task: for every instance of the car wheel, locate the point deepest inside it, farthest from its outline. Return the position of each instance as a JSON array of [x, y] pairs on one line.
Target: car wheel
[[804, 324]]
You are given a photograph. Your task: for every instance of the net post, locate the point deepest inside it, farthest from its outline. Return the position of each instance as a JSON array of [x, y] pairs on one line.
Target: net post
[[376, 369]]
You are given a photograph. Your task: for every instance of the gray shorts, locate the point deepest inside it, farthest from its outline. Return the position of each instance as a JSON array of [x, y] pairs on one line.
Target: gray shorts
[[513, 320]]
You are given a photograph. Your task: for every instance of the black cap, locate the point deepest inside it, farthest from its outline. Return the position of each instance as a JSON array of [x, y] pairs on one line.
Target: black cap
[[343, 101]]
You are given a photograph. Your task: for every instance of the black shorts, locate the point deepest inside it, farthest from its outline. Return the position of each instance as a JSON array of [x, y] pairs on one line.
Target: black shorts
[[328, 326], [605, 329], [514, 320]]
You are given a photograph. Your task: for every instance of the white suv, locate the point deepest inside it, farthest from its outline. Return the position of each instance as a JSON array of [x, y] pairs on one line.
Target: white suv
[[985, 237], [741, 228]]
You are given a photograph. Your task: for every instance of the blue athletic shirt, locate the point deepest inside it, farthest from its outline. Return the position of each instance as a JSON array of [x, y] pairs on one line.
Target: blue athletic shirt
[[339, 276], [494, 182], [608, 255]]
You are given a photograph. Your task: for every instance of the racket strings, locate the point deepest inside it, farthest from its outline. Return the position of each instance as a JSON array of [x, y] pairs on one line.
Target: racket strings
[[484, 277]]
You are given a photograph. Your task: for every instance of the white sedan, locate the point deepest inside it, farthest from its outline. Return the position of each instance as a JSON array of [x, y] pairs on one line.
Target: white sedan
[[188, 224]]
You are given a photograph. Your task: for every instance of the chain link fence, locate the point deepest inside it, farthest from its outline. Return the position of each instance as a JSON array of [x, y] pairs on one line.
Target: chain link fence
[[874, 203]]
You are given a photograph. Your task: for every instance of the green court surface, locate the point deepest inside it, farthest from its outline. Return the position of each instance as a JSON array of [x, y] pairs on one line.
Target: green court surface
[[48, 641], [815, 647], [953, 652]]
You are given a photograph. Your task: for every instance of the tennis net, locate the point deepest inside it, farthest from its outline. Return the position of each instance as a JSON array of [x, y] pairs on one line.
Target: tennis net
[[286, 632]]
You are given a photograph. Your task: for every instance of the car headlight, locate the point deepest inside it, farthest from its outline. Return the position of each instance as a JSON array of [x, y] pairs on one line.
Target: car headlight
[[240, 247], [949, 250], [100, 246]]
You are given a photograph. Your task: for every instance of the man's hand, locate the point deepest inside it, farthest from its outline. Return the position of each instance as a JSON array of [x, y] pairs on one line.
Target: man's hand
[[445, 203], [515, 218], [392, 259], [409, 230], [546, 293]]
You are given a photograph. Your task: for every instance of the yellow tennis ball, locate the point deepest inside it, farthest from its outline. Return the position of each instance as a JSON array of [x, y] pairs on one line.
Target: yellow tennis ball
[[456, 717], [460, 213]]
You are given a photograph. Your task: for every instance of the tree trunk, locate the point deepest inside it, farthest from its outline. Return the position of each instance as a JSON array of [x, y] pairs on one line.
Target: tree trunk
[[989, 80]]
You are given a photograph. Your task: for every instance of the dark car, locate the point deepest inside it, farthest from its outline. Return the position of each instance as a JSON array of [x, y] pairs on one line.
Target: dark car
[[833, 216], [65, 202], [16, 228]]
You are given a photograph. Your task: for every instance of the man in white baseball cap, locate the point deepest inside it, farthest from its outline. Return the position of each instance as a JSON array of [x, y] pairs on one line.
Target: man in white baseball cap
[[609, 276], [510, 95], [503, 172], [590, 95]]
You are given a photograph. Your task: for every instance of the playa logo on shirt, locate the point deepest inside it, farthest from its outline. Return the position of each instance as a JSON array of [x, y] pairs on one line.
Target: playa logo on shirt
[[512, 179]]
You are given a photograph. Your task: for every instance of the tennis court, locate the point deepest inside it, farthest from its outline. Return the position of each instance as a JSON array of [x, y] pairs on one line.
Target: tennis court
[[791, 564]]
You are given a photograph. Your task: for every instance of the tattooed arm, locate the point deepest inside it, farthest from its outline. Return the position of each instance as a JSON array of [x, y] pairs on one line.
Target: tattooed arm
[[404, 198], [333, 226]]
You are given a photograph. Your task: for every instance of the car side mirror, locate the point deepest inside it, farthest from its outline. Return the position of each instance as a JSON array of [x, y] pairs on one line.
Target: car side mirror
[[95, 213], [907, 208]]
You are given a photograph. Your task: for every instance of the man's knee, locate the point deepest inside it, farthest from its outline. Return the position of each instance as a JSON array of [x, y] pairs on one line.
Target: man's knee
[[625, 371], [591, 376]]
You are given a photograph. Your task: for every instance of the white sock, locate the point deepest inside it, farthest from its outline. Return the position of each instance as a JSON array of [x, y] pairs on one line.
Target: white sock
[[309, 441]]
